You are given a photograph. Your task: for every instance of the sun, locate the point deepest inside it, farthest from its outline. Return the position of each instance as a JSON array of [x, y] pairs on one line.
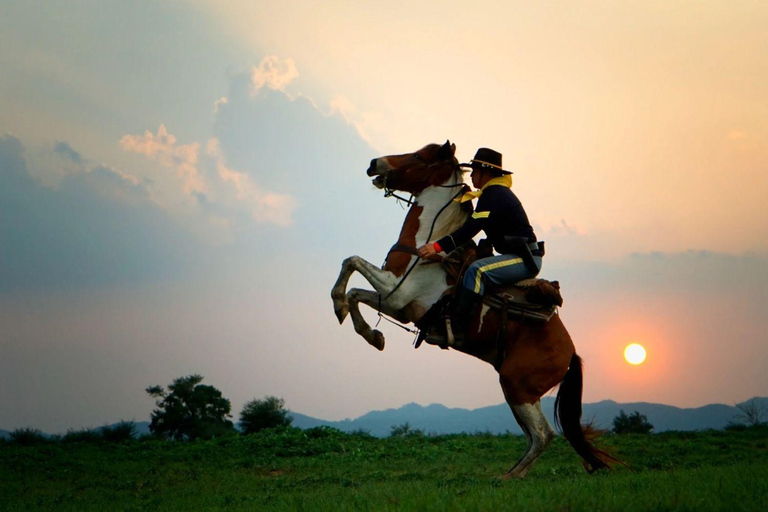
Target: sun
[[634, 353]]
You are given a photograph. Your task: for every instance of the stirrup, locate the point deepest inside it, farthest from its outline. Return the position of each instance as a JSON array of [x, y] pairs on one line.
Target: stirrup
[[451, 339], [449, 332]]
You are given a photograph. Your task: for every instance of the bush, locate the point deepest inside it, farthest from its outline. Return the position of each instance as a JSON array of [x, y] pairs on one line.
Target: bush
[[361, 433], [405, 430], [635, 423], [86, 435], [119, 432], [322, 432], [28, 436], [258, 415]]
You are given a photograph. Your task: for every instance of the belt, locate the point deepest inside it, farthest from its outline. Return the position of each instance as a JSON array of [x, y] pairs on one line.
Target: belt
[[537, 248]]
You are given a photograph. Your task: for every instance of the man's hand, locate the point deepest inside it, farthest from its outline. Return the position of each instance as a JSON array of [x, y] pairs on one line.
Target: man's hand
[[427, 252]]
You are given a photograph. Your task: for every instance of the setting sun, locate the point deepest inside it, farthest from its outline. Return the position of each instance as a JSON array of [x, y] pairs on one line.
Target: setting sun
[[634, 353]]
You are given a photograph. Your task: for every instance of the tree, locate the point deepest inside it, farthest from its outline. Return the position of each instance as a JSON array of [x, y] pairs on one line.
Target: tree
[[753, 413], [190, 410], [260, 414], [635, 423]]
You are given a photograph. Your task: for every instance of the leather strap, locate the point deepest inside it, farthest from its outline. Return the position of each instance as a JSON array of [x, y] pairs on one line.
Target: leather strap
[[403, 248]]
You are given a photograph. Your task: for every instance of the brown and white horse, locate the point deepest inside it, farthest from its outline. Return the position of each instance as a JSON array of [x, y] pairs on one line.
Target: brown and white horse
[[535, 358]]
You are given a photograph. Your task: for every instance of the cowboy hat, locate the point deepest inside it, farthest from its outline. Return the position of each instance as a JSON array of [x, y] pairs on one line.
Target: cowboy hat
[[487, 159]]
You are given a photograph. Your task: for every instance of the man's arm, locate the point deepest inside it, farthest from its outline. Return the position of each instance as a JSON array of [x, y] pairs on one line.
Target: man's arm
[[470, 228]]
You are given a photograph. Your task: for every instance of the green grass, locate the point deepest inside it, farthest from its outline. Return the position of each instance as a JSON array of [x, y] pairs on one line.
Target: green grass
[[323, 469]]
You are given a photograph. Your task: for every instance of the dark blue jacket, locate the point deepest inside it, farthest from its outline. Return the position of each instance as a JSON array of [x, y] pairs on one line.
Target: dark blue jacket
[[499, 213]]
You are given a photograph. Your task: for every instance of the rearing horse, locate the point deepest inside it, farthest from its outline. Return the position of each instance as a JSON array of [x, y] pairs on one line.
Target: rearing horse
[[535, 357]]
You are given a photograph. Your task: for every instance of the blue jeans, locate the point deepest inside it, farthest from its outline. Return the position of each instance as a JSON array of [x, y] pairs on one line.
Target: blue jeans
[[502, 270]]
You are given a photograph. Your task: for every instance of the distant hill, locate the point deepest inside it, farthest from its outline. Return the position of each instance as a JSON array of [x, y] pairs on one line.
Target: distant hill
[[498, 419]]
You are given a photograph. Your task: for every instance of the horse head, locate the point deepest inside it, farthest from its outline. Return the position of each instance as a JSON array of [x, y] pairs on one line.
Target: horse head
[[432, 165]]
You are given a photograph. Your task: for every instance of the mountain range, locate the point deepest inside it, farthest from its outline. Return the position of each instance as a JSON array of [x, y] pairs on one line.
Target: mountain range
[[498, 419]]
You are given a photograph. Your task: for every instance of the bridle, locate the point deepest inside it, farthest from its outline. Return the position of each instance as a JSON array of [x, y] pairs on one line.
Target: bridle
[[390, 192]]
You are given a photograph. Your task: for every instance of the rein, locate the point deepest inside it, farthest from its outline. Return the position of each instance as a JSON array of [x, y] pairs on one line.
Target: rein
[[390, 192], [398, 247], [412, 250]]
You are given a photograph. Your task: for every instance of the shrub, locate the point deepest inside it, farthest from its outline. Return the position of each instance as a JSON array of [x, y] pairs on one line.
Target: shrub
[[405, 430], [321, 432], [361, 433], [258, 415], [28, 436], [85, 435], [119, 432], [635, 423]]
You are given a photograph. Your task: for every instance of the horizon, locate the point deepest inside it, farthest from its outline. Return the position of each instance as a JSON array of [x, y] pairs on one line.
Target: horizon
[[545, 400], [180, 182]]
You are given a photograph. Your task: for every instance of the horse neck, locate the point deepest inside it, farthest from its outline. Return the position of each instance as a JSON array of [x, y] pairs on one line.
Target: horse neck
[[439, 213], [419, 221]]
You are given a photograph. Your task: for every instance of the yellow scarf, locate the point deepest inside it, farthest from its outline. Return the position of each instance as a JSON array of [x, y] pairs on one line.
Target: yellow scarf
[[505, 180]]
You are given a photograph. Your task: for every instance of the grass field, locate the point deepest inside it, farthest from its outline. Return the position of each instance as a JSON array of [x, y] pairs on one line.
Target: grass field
[[323, 469]]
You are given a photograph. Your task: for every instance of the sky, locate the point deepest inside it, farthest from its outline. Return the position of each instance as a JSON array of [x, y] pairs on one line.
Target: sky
[[181, 180]]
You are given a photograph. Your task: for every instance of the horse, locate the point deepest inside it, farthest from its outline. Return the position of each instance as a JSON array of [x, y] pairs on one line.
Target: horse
[[531, 359]]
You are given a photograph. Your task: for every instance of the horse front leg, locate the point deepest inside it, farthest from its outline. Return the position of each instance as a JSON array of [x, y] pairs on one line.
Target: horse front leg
[[382, 281], [370, 298]]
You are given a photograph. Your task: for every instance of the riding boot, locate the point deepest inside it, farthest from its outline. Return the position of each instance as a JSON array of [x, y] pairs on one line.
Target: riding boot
[[462, 307], [431, 322]]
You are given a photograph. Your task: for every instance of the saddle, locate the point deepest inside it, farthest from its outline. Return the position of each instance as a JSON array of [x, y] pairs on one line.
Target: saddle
[[531, 300]]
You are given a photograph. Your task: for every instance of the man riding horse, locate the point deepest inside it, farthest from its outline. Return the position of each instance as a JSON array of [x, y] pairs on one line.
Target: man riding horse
[[531, 357], [501, 216]]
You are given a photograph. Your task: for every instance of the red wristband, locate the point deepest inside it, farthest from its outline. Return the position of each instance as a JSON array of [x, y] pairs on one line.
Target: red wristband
[[437, 247]]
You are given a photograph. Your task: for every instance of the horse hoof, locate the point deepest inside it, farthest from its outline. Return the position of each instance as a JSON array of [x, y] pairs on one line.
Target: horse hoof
[[377, 340], [341, 313]]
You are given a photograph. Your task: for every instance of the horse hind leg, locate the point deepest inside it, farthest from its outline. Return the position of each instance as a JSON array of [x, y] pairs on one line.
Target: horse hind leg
[[538, 432]]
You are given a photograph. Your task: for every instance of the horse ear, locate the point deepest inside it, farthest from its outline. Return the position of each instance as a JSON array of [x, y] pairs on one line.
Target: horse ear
[[448, 149]]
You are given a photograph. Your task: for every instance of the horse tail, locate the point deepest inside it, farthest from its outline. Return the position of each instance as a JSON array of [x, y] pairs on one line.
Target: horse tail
[[568, 419]]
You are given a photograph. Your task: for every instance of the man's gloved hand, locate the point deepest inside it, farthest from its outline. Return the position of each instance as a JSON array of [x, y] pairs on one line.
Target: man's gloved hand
[[427, 251], [484, 249]]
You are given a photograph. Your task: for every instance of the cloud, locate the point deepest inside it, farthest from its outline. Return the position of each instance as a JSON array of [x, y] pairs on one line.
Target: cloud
[[162, 148], [291, 146], [98, 227], [364, 122], [65, 150], [218, 103], [563, 228], [274, 73], [264, 206]]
